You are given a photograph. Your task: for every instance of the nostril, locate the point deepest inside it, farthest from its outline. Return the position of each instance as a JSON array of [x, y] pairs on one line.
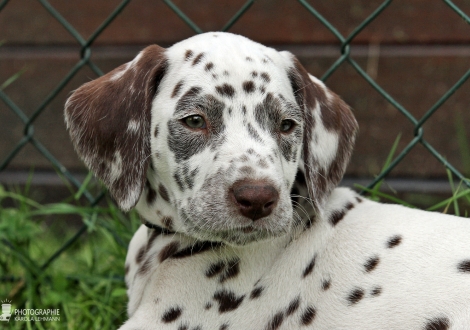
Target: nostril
[[244, 203]]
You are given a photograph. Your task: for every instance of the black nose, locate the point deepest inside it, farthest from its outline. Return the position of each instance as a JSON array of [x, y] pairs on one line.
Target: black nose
[[255, 199]]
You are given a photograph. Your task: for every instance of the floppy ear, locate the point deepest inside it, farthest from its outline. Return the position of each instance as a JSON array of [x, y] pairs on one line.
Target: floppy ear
[[329, 133], [108, 120]]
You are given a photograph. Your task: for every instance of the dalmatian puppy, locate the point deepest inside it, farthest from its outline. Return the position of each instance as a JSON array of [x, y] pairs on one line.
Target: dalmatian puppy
[[231, 153]]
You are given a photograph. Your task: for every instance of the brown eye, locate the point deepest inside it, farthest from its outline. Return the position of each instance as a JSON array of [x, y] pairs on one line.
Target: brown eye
[[287, 125], [195, 121]]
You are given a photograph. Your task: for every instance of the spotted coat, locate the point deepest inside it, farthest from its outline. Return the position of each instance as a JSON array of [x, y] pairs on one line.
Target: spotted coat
[[231, 152]]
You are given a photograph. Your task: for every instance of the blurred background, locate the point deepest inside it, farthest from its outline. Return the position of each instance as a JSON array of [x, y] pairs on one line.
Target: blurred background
[[402, 65]]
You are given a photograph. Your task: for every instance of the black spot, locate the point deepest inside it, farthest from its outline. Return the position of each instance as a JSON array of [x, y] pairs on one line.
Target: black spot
[[244, 110], [224, 326], [249, 86], [155, 132], [308, 315], [309, 267], [256, 292], [197, 248], [163, 192], [225, 90], [249, 59], [153, 236], [198, 58], [394, 241], [226, 73], [215, 269], [293, 306], [371, 263], [441, 323], [141, 254], [177, 89], [376, 291], [232, 270], [276, 321], [188, 55], [265, 77], [208, 306], [183, 327], [262, 89], [336, 217], [171, 315], [151, 194], [325, 285], [464, 266], [254, 74], [209, 66], [168, 251], [359, 200], [227, 300], [355, 296]]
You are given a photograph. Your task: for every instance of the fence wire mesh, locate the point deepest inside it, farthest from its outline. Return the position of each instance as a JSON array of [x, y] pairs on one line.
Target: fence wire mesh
[[344, 58]]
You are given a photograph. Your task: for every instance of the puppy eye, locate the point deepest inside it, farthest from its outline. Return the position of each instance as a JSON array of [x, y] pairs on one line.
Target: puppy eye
[[287, 125], [195, 121]]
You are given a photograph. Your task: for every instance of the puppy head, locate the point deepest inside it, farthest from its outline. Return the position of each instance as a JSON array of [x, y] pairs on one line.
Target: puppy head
[[206, 137]]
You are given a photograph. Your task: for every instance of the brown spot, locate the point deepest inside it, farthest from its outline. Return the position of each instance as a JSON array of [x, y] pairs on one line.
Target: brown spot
[[141, 254], [349, 206], [146, 265], [359, 200], [155, 134], [309, 267], [336, 216], [224, 326], [163, 192], [293, 306], [225, 90], [371, 264], [177, 89], [376, 291], [256, 292], [441, 323], [249, 86], [167, 222], [228, 301], [325, 285], [464, 266], [355, 296], [127, 269], [188, 55], [276, 321], [168, 251], [171, 315], [394, 241], [198, 58], [308, 315], [265, 77], [209, 66]]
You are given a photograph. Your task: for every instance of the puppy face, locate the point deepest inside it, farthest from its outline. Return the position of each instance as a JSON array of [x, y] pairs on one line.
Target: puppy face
[[228, 123]]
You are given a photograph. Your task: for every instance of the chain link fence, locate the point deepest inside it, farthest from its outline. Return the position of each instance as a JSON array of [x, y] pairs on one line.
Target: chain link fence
[[344, 59]]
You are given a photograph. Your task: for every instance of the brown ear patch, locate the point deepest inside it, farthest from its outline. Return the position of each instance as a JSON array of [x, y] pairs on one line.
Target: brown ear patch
[[336, 117], [109, 123]]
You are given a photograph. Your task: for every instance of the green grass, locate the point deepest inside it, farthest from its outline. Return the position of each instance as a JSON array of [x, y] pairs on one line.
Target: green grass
[[85, 282]]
